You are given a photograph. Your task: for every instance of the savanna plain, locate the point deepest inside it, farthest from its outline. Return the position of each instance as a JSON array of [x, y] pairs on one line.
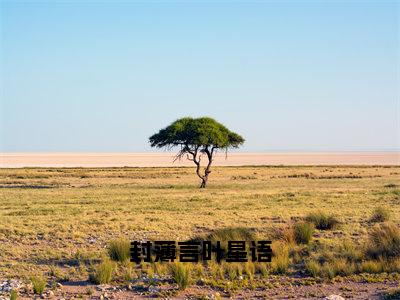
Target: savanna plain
[[65, 232]]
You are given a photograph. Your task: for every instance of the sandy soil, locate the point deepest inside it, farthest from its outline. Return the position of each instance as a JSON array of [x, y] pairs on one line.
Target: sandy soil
[[347, 290], [16, 160]]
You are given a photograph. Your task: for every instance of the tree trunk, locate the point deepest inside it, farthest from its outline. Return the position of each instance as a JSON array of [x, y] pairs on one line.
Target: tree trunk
[[204, 182], [207, 171]]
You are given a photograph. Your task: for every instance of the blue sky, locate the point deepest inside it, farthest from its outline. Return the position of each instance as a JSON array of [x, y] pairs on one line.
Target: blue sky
[[292, 76]]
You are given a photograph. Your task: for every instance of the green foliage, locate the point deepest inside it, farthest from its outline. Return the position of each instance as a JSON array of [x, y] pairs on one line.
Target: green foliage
[[384, 241], [119, 250], [181, 274], [38, 284], [103, 273], [380, 214], [322, 221], [303, 232], [201, 132]]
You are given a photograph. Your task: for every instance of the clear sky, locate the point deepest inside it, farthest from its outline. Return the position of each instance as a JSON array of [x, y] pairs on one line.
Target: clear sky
[[293, 76]]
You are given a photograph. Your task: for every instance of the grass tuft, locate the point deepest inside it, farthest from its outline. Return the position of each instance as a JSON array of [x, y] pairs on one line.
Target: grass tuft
[[370, 266], [103, 273], [384, 241], [380, 214], [119, 250], [313, 268], [322, 221], [232, 234], [303, 232], [280, 260], [38, 284], [181, 274]]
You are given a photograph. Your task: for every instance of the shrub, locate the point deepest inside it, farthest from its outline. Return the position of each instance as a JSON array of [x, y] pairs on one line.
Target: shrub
[[38, 284], [303, 232], [380, 214], [181, 274], [103, 273], [322, 221], [13, 295], [384, 241], [119, 250]]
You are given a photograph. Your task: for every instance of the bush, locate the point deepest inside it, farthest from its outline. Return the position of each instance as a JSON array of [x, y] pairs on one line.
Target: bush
[[384, 241], [103, 273], [119, 250], [303, 232], [181, 274], [38, 284], [322, 221], [380, 214]]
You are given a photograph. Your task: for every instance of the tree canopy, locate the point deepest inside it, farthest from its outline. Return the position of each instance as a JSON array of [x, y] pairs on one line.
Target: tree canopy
[[201, 132], [197, 136]]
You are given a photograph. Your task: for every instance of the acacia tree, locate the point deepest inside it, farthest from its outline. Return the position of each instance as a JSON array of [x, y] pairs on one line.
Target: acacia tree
[[197, 138]]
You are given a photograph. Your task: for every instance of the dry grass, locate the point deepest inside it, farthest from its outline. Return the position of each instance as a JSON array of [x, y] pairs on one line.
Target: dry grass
[[67, 217]]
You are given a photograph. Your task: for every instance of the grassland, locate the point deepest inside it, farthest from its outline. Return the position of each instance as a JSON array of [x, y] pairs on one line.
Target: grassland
[[57, 223]]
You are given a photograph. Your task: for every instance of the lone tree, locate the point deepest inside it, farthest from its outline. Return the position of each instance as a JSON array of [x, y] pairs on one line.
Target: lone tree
[[197, 137]]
